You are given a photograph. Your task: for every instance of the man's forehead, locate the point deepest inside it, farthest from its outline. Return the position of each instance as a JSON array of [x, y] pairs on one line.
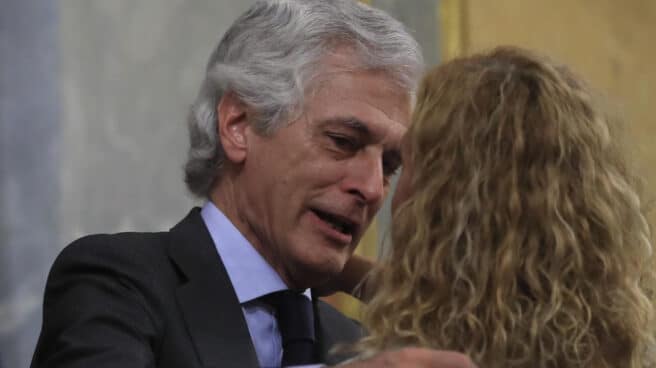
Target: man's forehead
[[338, 65], [369, 102]]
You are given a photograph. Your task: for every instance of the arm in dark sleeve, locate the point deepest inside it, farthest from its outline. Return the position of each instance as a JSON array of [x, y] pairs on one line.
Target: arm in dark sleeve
[[95, 313]]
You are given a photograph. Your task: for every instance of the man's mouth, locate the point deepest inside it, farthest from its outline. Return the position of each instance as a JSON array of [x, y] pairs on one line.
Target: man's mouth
[[339, 223]]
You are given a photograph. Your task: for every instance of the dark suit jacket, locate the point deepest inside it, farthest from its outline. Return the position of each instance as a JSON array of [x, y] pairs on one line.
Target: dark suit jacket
[[154, 300]]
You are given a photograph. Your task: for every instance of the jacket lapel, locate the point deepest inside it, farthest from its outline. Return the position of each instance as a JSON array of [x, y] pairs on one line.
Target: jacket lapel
[[208, 301], [333, 329]]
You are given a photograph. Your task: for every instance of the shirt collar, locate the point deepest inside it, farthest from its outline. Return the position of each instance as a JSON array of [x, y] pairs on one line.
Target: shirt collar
[[251, 276]]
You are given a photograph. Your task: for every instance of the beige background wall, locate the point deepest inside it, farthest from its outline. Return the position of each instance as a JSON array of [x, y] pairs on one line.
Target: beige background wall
[[609, 42]]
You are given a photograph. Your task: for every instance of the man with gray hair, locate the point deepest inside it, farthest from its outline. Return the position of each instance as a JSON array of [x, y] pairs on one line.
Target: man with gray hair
[[294, 137]]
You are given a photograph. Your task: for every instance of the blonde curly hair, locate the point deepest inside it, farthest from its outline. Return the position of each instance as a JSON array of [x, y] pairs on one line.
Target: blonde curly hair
[[524, 242]]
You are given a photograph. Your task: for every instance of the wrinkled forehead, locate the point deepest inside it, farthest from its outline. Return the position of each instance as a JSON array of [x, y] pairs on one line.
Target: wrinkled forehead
[[344, 59], [363, 100]]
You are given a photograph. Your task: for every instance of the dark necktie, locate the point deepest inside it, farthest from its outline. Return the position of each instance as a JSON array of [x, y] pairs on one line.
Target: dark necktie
[[296, 325]]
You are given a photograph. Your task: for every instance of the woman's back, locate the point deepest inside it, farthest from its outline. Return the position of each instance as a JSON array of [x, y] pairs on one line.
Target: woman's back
[[519, 235]]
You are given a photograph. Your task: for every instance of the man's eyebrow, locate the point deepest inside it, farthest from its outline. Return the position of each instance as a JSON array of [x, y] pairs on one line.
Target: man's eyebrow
[[350, 122], [362, 129]]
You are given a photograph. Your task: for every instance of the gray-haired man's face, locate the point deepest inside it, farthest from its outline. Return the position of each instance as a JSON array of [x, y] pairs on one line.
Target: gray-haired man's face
[[311, 189]]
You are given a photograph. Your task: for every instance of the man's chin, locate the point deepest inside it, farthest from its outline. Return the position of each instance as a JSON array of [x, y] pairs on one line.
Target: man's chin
[[310, 275]]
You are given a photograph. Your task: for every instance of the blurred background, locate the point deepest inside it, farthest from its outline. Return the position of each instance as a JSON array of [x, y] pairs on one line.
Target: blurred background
[[94, 93]]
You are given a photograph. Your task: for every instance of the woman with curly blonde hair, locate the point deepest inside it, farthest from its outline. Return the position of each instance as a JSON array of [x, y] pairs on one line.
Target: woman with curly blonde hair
[[519, 236]]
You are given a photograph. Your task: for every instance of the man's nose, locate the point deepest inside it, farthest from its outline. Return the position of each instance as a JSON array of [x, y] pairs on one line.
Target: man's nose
[[366, 179]]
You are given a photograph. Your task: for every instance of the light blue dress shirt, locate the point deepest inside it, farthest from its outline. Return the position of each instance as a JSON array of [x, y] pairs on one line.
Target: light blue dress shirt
[[251, 277]]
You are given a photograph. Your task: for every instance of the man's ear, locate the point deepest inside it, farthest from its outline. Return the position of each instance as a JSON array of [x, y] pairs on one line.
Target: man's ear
[[232, 127]]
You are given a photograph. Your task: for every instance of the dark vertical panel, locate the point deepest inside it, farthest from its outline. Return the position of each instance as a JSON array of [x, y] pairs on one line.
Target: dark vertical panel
[[29, 136]]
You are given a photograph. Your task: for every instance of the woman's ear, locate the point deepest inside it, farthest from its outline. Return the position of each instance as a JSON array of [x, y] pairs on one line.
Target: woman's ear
[[232, 127]]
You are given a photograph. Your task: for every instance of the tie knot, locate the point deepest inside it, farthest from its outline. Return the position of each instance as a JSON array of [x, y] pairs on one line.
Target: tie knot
[[293, 313], [296, 324]]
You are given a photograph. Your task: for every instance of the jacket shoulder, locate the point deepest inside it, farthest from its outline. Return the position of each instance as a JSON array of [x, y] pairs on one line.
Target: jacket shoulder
[[128, 256], [103, 295], [131, 246]]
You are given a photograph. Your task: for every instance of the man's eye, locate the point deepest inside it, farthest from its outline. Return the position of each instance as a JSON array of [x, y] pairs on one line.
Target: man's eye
[[344, 142]]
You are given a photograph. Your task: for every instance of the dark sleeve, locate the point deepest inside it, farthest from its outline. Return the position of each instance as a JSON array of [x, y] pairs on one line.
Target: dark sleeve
[[95, 313]]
